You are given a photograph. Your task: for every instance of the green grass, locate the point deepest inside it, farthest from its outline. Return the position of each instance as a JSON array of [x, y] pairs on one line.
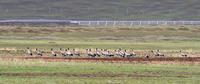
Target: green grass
[[139, 37], [169, 73], [47, 44], [97, 80], [162, 37], [92, 68]]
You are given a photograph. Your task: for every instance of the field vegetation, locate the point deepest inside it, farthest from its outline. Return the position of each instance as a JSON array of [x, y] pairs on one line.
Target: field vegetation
[[14, 39], [38, 71], [139, 37]]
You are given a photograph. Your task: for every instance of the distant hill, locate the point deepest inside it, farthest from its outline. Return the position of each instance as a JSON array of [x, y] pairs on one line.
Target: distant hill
[[101, 9]]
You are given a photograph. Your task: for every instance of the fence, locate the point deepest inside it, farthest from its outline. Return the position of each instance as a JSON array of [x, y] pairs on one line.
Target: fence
[[98, 23], [133, 23]]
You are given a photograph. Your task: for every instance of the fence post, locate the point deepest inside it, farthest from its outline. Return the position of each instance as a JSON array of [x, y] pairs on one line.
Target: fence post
[[165, 22], [192, 23], [98, 24], [106, 23], [89, 23], [114, 23], [131, 23], [79, 23]]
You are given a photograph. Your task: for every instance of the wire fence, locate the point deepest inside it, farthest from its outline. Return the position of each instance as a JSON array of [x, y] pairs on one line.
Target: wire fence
[[98, 23], [133, 23]]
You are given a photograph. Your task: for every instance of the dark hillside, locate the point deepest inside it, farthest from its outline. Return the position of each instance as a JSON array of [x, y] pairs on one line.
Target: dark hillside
[[101, 9]]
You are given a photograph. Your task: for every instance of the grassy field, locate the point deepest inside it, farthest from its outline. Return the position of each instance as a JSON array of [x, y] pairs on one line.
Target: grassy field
[[138, 37], [168, 38], [36, 71], [47, 44], [100, 10], [97, 80]]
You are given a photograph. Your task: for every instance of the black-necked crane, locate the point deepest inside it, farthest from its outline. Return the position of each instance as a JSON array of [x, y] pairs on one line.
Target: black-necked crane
[[129, 54], [107, 53], [110, 54], [53, 52], [183, 54], [133, 53], [62, 52], [116, 53], [104, 52], [38, 52], [68, 52], [97, 52], [29, 51], [119, 53], [90, 53], [148, 54], [158, 53], [122, 54], [75, 53]]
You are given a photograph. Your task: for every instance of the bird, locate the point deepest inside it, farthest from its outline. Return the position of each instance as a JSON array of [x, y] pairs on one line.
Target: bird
[[68, 52], [29, 51], [62, 52], [90, 53], [38, 52], [97, 52], [74, 52], [158, 53], [107, 53], [129, 54], [183, 54], [53, 52]]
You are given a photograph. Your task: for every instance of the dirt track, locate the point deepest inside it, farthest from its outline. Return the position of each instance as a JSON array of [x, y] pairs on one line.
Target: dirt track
[[136, 59]]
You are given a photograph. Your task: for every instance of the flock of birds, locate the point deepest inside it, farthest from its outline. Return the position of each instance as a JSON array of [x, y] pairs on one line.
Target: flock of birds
[[95, 53]]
